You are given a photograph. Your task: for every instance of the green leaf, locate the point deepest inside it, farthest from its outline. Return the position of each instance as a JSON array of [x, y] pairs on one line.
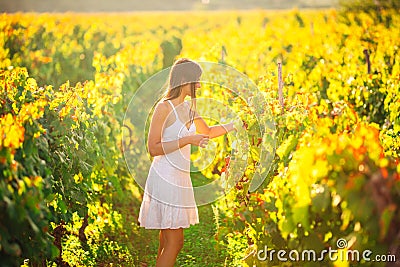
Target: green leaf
[[61, 204], [300, 215], [32, 224], [285, 149], [117, 185], [385, 220], [321, 201]]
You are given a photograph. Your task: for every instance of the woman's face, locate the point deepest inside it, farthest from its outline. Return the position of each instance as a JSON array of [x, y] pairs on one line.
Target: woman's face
[[186, 88]]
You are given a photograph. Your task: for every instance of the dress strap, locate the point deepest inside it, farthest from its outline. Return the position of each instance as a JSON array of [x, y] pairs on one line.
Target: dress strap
[[173, 108]]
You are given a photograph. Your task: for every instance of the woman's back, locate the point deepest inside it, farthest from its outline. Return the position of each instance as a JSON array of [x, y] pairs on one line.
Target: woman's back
[[179, 159]]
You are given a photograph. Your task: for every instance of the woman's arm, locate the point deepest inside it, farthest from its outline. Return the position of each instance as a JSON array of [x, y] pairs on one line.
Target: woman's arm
[[156, 147], [212, 131]]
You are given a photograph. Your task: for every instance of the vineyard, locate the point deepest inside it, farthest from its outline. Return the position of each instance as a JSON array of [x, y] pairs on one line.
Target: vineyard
[[67, 197]]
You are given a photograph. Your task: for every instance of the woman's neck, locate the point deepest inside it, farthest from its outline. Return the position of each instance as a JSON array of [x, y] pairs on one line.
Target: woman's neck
[[179, 99]]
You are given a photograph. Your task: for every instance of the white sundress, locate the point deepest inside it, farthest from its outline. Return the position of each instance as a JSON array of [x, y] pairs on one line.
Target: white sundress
[[168, 201]]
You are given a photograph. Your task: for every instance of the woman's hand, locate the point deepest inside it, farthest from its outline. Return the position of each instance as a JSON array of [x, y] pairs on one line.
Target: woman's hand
[[200, 140], [231, 127], [238, 124]]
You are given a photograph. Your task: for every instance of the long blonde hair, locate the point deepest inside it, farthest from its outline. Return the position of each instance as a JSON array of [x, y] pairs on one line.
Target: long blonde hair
[[183, 71]]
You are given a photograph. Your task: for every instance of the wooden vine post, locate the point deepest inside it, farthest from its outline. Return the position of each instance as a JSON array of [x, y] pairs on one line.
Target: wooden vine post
[[280, 84], [366, 53]]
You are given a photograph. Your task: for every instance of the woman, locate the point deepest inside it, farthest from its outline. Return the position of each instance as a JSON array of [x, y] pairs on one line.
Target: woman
[[168, 201]]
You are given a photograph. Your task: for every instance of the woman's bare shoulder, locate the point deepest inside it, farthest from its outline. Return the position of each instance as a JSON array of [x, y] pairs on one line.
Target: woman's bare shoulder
[[161, 108], [162, 104]]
